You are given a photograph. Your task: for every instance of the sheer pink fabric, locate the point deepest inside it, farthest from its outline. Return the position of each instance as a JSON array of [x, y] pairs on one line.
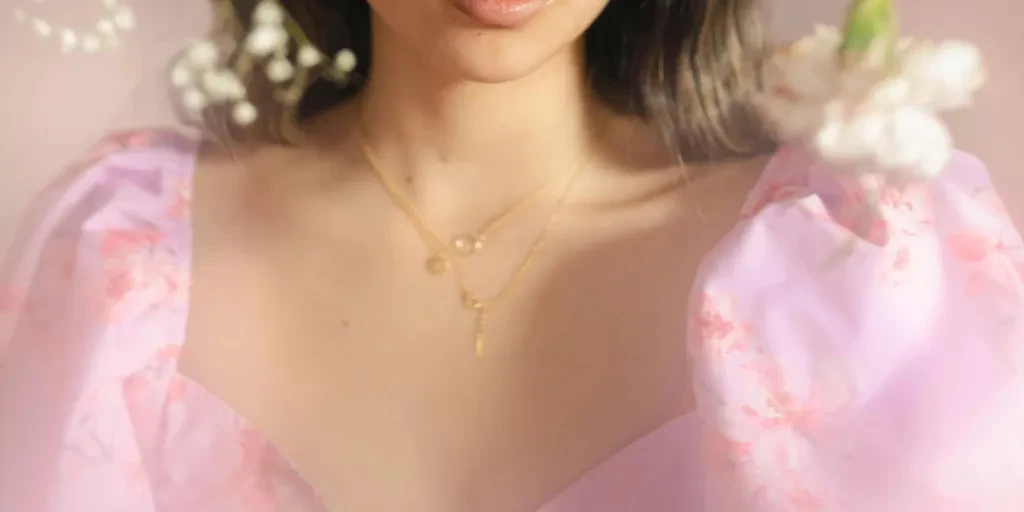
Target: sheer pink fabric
[[843, 363]]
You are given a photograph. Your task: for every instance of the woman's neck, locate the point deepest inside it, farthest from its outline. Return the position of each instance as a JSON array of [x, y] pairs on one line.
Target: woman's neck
[[433, 124]]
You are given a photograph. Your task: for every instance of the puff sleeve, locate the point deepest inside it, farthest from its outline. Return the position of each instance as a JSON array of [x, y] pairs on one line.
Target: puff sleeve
[[863, 363], [87, 296]]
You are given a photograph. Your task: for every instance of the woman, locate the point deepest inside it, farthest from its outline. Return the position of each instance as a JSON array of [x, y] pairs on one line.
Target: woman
[[477, 282]]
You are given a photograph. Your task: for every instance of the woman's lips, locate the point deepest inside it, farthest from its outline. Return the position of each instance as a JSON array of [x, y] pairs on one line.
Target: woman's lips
[[501, 13]]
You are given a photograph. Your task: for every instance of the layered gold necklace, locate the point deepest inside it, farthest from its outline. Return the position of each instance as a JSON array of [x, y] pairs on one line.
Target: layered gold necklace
[[445, 255]]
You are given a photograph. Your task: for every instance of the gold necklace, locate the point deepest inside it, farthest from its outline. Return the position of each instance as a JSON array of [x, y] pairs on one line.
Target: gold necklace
[[465, 244], [469, 300]]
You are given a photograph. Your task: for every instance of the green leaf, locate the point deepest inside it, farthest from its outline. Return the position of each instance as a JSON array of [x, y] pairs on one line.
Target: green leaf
[[866, 22]]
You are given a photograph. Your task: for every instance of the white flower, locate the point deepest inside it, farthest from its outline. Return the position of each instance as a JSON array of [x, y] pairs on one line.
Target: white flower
[[105, 27], [42, 27], [244, 113], [90, 44], [345, 61], [193, 100], [268, 13], [266, 39], [202, 81], [202, 54], [181, 76], [68, 40], [309, 56], [119, 18], [865, 116], [944, 76], [124, 19], [223, 84], [903, 140], [280, 70]]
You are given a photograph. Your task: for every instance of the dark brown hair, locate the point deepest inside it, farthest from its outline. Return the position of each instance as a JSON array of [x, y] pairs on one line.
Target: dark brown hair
[[687, 66]]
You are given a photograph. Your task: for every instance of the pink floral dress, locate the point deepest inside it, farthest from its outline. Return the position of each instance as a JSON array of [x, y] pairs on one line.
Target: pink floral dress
[[843, 362]]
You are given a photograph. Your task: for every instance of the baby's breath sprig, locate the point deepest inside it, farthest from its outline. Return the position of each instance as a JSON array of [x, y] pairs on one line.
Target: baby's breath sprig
[[215, 72], [105, 34]]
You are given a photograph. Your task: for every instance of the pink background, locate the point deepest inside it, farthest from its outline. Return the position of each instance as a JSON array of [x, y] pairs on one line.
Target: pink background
[[55, 106]]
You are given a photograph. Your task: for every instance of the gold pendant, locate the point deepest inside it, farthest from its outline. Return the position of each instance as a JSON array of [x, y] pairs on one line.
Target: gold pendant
[[479, 346], [478, 307], [437, 264], [467, 244], [478, 333], [471, 302]]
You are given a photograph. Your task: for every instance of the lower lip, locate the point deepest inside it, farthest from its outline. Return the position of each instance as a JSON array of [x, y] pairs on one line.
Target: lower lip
[[502, 13]]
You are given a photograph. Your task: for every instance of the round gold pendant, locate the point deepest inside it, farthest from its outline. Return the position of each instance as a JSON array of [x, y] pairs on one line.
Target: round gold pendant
[[437, 264], [467, 244], [471, 302]]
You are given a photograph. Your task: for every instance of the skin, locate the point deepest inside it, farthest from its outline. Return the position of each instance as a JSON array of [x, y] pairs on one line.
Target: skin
[[313, 318]]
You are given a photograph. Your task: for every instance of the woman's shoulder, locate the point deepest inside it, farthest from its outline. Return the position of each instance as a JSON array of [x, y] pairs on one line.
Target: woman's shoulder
[[849, 320]]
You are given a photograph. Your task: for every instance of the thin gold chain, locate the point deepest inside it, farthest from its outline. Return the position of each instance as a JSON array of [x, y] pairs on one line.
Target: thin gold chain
[[465, 244], [469, 300]]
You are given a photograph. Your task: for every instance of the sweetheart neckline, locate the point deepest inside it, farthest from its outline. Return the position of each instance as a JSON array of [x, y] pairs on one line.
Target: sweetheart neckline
[[681, 421]]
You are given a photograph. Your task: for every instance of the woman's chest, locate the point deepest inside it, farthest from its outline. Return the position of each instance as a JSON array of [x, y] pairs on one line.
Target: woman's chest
[[362, 371]]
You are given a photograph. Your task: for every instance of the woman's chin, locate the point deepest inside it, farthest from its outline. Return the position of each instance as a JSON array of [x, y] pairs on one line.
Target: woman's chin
[[494, 71], [495, 58]]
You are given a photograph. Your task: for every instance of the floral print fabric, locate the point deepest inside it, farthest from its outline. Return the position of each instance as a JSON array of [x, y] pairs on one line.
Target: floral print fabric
[[853, 361], [846, 358]]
